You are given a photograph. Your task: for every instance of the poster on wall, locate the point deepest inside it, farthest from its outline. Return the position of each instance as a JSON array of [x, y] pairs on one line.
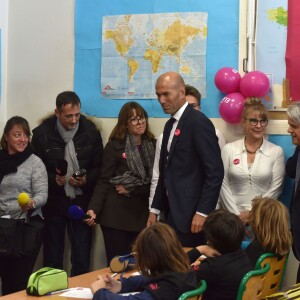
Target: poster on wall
[[108, 73], [138, 48], [270, 53]]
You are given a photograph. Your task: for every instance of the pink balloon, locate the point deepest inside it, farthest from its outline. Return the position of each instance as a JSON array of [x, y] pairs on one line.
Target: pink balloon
[[254, 84], [227, 80], [231, 107]]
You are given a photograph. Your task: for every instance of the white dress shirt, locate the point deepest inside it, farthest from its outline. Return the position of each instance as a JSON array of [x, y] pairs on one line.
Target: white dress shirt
[[242, 183]]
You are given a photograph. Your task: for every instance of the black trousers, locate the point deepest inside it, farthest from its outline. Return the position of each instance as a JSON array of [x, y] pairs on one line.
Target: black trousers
[[80, 236], [186, 239], [14, 273], [117, 242]]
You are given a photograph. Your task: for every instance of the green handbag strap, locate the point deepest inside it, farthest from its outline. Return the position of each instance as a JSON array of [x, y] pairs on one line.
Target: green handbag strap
[[34, 276]]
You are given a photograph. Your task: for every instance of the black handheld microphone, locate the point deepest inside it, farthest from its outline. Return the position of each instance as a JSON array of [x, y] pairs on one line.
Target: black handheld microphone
[[76, 212], [61, 167]]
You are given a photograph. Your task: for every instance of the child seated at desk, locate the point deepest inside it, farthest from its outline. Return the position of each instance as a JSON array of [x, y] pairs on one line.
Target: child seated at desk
[[269, 219], [226, 262], [164, 266]]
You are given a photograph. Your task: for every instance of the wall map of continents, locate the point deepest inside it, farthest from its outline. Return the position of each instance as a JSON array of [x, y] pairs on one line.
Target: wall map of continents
[[136, 49]]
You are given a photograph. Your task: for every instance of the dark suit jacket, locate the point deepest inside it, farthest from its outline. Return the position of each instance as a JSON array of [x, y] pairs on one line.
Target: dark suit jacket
[[194, 172], [290, 168]]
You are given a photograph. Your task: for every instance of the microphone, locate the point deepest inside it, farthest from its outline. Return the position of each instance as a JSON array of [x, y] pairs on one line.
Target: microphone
[[76, 212], [23, 199], [61, 167]]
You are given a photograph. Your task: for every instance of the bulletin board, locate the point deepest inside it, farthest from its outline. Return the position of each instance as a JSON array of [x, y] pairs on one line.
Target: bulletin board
[[221, 48]]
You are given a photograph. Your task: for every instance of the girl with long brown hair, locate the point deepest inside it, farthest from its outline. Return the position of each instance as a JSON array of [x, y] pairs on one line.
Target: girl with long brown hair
[[162, 263]]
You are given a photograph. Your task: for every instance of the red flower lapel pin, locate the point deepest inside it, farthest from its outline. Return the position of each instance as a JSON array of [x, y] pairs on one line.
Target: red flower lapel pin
[[236, 161], [177, 132]]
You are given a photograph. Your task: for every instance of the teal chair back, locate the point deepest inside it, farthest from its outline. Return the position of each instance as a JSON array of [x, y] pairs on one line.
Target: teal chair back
[[252, 284], [194, 294], [276, 273]]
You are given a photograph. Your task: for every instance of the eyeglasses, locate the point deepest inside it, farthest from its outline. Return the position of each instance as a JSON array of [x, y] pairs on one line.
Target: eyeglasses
[[254, 122], [135, 121], [19, 135]]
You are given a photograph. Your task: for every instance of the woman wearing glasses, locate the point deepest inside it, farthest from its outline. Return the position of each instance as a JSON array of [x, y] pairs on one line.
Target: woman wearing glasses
[[253, 166], [120, 199]]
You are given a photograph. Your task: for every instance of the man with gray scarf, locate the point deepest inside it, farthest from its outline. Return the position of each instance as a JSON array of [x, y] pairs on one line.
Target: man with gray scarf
[[71, 138]]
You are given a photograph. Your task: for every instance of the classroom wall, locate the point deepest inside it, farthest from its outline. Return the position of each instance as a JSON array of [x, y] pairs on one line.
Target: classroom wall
[[40, 64]]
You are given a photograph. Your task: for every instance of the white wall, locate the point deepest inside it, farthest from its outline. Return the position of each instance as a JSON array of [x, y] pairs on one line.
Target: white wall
[[39, 64], [40, 55], [4, 30]]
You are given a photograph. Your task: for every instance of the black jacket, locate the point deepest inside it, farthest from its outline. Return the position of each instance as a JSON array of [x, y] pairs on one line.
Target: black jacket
[[112, 209], [222, 274], [290, 167], [50, 147]]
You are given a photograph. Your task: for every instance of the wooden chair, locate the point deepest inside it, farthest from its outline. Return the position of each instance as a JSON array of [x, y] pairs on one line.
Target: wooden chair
[[252, 284], [194, 294], [275, 275]]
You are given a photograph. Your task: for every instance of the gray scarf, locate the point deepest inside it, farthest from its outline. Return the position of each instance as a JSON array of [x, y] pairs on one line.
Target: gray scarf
[[70, 157], [137, 174]]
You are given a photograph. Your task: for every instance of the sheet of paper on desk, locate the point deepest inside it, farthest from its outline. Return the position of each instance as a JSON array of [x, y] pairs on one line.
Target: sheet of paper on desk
[[79, 292], [85, 293], [127, 294], [135, 274]]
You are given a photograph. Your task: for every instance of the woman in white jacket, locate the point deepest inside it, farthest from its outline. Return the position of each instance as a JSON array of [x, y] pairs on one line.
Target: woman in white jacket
[[253, 166]]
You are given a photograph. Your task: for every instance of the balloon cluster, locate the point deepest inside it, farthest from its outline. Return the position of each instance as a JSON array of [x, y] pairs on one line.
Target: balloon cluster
[[237, 88]]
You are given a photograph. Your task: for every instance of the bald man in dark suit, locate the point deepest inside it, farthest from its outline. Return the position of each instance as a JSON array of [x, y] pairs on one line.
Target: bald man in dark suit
[[191, 168]]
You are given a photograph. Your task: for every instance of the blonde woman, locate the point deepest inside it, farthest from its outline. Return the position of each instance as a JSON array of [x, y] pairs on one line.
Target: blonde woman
[[253, 166]]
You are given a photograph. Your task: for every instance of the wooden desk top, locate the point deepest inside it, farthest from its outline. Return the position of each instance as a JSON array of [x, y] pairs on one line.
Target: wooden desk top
[[83, 280]]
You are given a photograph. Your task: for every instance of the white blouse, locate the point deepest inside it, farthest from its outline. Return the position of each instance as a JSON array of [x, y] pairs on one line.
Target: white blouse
[[241, 184]]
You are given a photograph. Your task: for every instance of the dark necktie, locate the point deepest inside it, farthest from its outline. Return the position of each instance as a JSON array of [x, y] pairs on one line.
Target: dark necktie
[[163, 162], [166, 136]]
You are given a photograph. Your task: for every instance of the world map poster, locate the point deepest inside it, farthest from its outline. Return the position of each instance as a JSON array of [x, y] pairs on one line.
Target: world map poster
[[136, 49], [122, 46]]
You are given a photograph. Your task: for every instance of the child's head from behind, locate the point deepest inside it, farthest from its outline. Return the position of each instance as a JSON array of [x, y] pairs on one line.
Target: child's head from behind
[[224, 231], [158, 250], [269, 221]]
